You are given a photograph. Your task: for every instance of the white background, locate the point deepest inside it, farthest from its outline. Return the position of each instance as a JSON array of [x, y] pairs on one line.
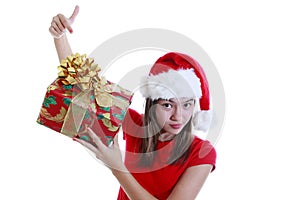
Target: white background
[[255, 46]]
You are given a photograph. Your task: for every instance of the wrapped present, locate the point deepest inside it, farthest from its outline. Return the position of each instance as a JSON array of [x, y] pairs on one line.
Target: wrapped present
[[79, 99]]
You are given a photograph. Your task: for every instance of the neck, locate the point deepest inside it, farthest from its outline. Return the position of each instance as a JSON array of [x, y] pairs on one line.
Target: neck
[[165, 137]]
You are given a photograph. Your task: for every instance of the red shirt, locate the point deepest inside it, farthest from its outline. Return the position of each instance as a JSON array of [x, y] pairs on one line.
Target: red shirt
[[159, 179]]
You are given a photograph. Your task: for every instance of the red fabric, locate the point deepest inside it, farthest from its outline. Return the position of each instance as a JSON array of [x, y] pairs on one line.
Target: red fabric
[[160, 179]]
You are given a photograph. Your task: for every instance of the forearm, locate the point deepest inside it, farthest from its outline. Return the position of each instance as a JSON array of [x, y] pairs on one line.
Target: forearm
[[131, 187], [63, 47]]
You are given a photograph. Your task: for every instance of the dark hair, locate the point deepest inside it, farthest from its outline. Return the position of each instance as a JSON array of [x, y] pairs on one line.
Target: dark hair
[[148, 146]]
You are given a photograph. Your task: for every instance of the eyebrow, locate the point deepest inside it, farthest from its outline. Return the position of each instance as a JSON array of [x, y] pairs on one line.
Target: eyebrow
[[174, 102]]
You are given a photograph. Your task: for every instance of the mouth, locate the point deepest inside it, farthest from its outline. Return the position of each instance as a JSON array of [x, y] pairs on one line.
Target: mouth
[[175, 126]]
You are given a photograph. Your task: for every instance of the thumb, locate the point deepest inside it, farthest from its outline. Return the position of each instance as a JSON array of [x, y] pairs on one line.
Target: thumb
[[116, 142], [74, 14]]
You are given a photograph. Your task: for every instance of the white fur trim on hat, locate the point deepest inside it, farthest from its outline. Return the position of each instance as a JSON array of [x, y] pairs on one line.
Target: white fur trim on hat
[[202, 120], [172, 84]]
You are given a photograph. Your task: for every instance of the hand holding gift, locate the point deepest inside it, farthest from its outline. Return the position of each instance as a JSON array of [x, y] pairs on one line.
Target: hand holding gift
[[110, 155]]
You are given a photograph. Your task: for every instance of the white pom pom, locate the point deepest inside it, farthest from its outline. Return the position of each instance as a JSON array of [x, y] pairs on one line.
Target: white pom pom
[[202, 120]]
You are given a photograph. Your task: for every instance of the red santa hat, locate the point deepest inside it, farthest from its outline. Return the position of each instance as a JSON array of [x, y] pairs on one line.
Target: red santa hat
[[176, 75]]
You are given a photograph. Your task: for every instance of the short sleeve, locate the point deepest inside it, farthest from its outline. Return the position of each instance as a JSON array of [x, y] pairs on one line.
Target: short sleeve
[[202, 153], [132, 123]]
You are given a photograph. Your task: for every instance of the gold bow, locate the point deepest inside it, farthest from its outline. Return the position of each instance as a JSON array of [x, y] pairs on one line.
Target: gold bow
[[78, 70]]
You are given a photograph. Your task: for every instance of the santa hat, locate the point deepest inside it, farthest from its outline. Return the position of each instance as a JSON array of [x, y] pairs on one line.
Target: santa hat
[[177, 75]]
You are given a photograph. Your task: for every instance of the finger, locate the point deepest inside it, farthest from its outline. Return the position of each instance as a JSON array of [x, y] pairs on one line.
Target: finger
[[54, 32], [74, 14], [116, 141], [57, 29], [65, 22], [96, 139], [87, 145], [56, 21]]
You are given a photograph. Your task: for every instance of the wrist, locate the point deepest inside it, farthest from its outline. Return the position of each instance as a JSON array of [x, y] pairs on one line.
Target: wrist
[[122, 170], [59, 38]]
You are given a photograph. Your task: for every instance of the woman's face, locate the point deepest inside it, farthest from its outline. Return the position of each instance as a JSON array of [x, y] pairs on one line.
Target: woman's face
[[173, 114]]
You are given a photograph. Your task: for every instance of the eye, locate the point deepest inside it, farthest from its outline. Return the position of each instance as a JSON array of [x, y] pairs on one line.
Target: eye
[[167, 105], [188, 104]]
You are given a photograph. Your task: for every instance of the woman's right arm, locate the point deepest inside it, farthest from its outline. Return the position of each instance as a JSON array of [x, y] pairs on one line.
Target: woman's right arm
[[58, 28]]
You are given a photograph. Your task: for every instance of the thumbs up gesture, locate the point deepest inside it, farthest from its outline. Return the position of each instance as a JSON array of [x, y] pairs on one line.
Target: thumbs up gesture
[[60, 24]]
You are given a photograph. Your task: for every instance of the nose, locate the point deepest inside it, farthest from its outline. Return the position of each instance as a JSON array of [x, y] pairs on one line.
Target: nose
[[177, 114]]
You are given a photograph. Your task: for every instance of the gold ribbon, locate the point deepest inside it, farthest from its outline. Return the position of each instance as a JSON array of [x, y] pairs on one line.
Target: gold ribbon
[[78, 70]]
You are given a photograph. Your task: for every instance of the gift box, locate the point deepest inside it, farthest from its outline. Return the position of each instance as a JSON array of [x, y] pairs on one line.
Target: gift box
[[79, 99]]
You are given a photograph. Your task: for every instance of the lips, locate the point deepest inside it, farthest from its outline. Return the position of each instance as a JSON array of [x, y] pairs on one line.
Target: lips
[[175, 126]]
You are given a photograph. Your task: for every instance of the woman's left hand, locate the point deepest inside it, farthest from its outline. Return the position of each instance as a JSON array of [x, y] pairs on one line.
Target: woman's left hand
[[111, 156]]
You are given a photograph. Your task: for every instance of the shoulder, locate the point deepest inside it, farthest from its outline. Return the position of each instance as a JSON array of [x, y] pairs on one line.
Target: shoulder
[[204, 146], [132, 116], [202, 152], [133, 123]]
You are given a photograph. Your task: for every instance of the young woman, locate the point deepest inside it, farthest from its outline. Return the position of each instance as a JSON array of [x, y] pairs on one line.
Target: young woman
[[164, 159]]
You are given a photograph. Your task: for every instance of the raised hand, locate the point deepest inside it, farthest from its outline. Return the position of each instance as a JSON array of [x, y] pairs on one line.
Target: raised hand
[[60, 24]]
